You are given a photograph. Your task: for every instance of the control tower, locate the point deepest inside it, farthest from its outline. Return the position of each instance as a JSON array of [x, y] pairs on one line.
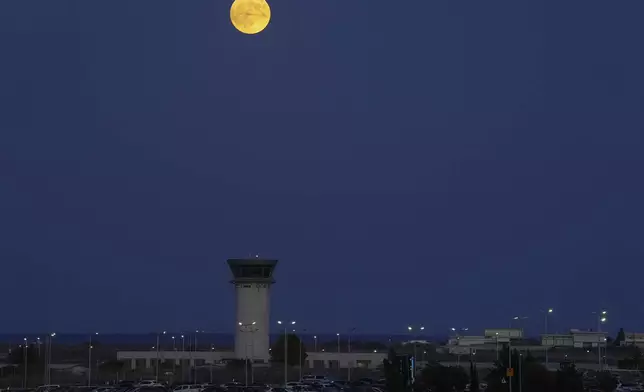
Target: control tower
[[252, 278]]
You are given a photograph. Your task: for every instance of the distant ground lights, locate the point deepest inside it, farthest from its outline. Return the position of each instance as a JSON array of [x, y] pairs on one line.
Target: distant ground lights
[[250, 16]]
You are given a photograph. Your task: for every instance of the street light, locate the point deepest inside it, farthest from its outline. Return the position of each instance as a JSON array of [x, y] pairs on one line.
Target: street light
[[349, 351], [519, 320], [212, 360], [496, 334], [156, 377], [48, 358], [456, 331], [249, 327], [338, 335], [89, 361], [545, 329], [300, 354], [286, 324], [174, 359], [183, 353], [315, 343], [601, 319], [411, 329], [25, 351], [192, 353]]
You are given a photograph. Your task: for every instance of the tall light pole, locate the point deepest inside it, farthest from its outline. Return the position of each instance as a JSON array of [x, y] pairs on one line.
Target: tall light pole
[[456, 333], [546, 313], [49, 355], [193, 356], [301, 344], [248, 327], [212, 349], [89, 360], [601, 319], [286, 324], [418, 330], [25, 352], [520, 372], [183, 353], [349, 351], [496, 334], [156, 376], [338, 335], [510, 364], [174, 358], [315, 343]]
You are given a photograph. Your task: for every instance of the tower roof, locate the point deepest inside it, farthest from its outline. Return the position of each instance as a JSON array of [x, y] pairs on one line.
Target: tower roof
[[252, 270]]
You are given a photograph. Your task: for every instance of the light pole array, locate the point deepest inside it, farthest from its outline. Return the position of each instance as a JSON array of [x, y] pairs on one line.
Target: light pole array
[[285, 325]]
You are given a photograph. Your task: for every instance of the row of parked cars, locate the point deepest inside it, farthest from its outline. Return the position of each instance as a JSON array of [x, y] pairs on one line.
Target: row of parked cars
[[306, 384]]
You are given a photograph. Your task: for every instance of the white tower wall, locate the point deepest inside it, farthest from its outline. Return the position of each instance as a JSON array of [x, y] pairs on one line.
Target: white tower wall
[[253, 305], [253, 278]]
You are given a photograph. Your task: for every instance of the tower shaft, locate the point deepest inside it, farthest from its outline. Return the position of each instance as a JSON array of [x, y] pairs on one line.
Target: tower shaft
[[253, 279]]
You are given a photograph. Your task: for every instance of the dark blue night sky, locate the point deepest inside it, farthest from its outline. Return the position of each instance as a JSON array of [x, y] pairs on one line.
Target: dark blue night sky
[[437, 162]]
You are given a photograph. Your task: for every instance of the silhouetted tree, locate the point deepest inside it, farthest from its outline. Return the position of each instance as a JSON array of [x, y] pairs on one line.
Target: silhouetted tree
[[634, 362], [295, 348], [606, 382], [394, 379], [621, 337], [112, 366], [569, 379], [441, 378], [533, 375], [17, 356]]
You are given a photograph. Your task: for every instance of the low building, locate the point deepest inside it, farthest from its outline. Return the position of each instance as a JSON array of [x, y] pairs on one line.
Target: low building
[[576, 338], [491, 340], [147, 359], [633, 339], [507, 333]]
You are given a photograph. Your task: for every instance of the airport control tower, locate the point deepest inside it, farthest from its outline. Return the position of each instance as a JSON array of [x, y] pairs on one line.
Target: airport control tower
[[252, 278]]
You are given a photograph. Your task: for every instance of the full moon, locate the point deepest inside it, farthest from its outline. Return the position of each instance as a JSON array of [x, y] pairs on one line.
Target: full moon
[[250, 16]]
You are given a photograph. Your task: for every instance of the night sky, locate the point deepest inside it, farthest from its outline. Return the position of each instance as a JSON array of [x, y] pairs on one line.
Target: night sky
[[430, 162]]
